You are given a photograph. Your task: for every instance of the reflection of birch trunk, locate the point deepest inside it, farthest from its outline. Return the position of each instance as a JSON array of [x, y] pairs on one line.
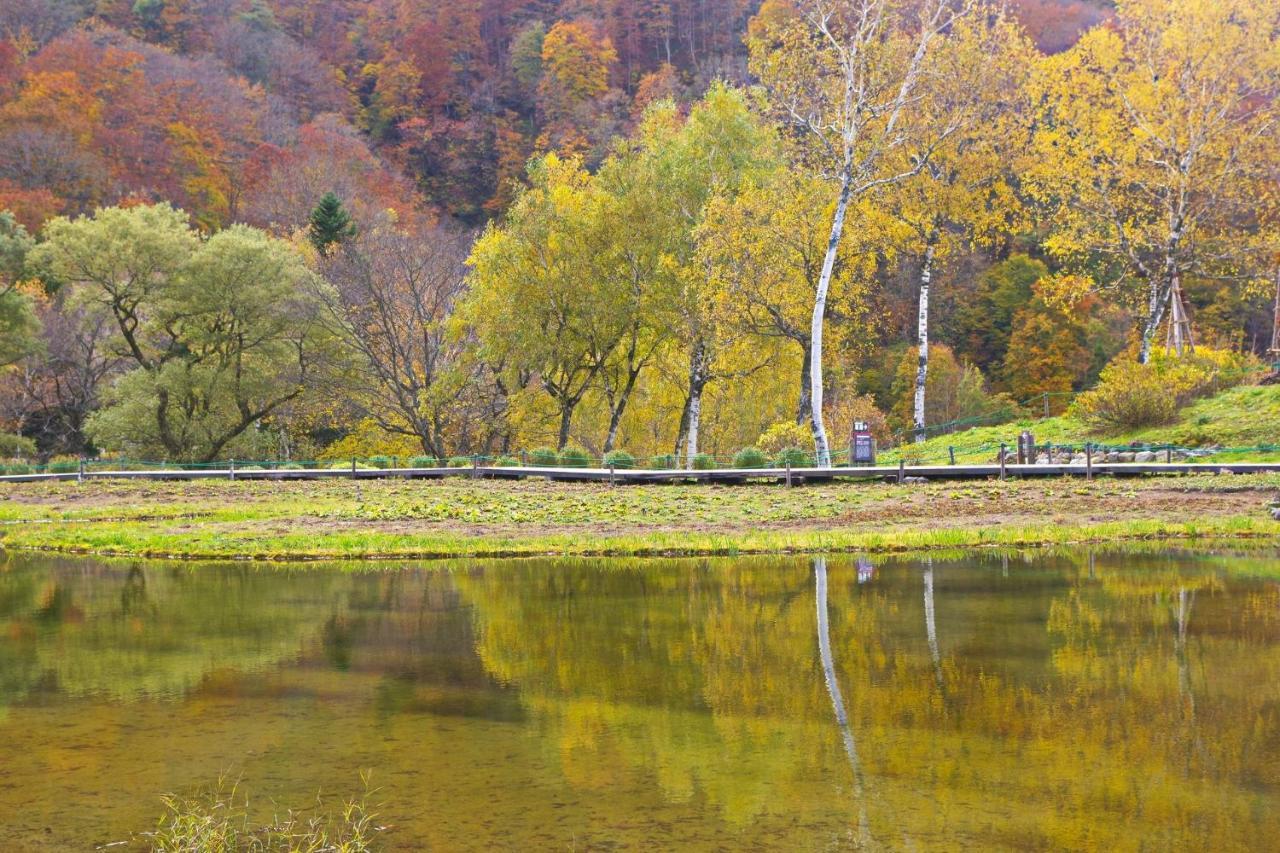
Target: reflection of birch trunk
[[1185, 601], [837, 701], [930, 626]]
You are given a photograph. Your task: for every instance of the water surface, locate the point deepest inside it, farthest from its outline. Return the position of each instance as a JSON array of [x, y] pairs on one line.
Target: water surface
[[1102, 701]]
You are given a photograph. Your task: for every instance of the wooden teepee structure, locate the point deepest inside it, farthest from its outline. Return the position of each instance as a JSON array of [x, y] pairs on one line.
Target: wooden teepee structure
[[1179, 338], [1273, 351]]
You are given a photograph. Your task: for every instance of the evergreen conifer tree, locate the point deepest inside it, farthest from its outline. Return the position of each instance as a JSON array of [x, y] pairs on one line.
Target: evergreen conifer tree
[[330, 223]]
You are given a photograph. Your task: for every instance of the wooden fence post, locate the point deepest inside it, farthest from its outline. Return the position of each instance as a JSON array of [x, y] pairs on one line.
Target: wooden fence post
[[231, 470], [788, 472], [951, 451], [80, 472], [1003, 451], [1088, 460], [902, 470], [353, 467]]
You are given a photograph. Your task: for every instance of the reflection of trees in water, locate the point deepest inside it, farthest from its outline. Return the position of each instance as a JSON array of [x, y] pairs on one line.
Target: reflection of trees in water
[[837, 699], [134, 631], [705, 674]]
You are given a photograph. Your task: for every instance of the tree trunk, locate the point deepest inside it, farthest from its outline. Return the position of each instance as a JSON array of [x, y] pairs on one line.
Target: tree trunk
[[1161, 287], [922, 370], [804, 412], [566, 418], [1155, 312], [695, 420], [683, 432], [620, 406], [821, 446], [699, 373]]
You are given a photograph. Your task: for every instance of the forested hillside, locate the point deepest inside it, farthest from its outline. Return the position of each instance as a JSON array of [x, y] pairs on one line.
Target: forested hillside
[[494, 224], [194, 101]]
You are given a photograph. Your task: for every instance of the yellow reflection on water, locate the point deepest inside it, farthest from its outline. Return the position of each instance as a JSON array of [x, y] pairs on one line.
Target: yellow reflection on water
[[1085, 701]]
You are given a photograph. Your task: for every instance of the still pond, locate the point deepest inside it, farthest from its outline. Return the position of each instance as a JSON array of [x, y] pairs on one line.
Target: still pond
[[1058, 700]]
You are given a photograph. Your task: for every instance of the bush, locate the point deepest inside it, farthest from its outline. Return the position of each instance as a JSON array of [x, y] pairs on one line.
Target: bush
[[663, 462], [796, 457], [380, 461], [16, 445], [574, 457], [780, 436], [63, 465], [619, 459], [424, 462], [1130, 395], [17, 468], [506, 462], [459, 462], [750, 457], [346, 466], [544, 457], [704, 462], [292, 466]]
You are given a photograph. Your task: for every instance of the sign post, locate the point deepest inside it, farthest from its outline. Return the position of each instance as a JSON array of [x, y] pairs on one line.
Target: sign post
[[863, 447]]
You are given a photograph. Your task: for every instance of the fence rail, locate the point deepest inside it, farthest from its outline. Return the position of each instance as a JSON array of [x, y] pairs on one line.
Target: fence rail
[[789, 475]]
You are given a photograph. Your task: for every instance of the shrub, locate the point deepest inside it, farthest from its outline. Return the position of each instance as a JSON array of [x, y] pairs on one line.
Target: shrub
[[292, 466], [750, 457], [506, 462], [63, 465], [663, 462], [544, 457], [796, 457], [346, 466], [619, 459], [423, 462], [380, 461], [574, 457], [17, 468], [1130, 395], [704, 462], [459, 461], [783, 435], [16, 445]]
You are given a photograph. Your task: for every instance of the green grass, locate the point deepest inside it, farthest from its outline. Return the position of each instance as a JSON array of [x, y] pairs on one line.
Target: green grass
[[1239, 419], [340, 520]]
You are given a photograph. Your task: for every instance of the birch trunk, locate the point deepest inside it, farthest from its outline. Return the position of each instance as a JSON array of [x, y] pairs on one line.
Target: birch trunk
[[922, 370], [699, 373], [1161, 289], [821, 445], [804, 412], [1155, 312]]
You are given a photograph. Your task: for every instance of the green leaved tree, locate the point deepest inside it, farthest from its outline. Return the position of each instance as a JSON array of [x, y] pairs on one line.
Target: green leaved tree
[[220, 332]]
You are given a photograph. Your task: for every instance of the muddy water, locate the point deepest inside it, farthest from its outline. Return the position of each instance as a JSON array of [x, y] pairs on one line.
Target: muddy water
[[1097, 701]]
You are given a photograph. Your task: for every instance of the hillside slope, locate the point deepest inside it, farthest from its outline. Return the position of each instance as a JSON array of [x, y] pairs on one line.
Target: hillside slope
[[1243, 421]]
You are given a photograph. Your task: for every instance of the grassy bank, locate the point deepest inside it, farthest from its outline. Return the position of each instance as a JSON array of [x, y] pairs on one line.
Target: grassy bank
[[1244, 417], [342, 520]]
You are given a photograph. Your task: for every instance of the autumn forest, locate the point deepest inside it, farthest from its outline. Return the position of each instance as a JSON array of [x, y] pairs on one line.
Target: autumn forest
[[322, 229]]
